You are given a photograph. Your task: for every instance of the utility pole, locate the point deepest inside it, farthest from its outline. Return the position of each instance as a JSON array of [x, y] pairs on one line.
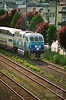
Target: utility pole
[[48, 14], [55, 12], [3, 1], [26, 5]]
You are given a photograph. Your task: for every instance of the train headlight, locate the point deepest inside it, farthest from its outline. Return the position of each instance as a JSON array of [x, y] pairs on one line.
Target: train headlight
[[37, 48]]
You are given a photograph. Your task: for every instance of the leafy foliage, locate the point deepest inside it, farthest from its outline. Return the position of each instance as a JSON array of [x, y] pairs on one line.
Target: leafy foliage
[[22, 21], [17, 15], [52, 34], [2, 12], [6, 18], [35, 21], [55, 57], [62, 37], [42, 28]]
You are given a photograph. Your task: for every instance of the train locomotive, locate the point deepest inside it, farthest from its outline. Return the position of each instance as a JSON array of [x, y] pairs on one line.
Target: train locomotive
[[27, 43]]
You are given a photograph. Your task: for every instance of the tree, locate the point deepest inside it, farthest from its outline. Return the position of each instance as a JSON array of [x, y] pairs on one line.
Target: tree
[[2, 12], [22, 21], [42, 28], [62, 37], [6, 18], [52, 34], [17, 15], [35, 21]]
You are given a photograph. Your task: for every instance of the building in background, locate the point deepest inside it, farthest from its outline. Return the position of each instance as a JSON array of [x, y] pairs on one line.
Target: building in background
[[55, 14], [62, 14], [62, 2]]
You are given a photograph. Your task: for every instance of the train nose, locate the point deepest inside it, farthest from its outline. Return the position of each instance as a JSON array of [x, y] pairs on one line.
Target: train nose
[[37, 47]]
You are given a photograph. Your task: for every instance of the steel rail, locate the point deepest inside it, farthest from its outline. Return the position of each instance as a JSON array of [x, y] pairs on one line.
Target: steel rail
[[12, 90], [42, 84], [20, 86], [33, 73]]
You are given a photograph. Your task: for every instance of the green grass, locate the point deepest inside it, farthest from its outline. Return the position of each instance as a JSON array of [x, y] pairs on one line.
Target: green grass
[[50, 56], [24, 62], [55, 58]]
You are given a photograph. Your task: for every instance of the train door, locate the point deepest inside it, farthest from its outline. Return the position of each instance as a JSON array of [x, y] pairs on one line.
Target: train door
[[23, 41], [10, 42], [26, 43]]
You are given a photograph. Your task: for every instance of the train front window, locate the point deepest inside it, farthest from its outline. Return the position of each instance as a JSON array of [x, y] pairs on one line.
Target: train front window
[[36, 39], [31, 39], [40, 39]]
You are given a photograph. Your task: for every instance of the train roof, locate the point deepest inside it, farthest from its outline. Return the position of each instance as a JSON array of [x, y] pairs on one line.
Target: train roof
[[27, 33], [11, 30], [30, 33]]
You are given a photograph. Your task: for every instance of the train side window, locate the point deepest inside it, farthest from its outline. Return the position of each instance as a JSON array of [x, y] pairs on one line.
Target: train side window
[[23, 36], [0, 31], [10, 40], [8, 33], [53, 15], [26, 39], [3, 32], [13, 35], [20, 35]]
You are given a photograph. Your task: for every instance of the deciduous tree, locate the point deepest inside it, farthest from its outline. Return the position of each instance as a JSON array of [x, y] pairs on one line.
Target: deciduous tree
[[22, 21], [52, 34], [2, 12], [42, 28], [6, 18], [16, 16], [35, 21], [62, 37]]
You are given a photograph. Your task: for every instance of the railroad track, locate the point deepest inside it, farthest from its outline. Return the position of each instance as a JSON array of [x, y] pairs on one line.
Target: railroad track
[[51, 66], [54, 72], [21, 92], [40, 81]]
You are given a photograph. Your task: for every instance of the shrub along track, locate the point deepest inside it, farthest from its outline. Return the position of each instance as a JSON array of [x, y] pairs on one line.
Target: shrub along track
[[54, 72], [51, 66], [37, 81]]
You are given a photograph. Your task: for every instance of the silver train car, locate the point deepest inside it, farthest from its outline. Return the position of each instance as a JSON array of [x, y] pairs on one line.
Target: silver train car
[[27, 43]]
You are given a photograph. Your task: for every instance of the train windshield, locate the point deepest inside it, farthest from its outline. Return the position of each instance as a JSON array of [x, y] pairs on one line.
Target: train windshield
[[40, 39], [36, 38], [31, 38]]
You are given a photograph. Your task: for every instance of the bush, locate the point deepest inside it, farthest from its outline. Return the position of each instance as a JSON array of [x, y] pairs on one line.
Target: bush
[[56, 59], [63, 61]]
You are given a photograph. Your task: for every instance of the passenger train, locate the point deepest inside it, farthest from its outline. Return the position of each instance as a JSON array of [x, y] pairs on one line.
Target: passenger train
[[27, 43]]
